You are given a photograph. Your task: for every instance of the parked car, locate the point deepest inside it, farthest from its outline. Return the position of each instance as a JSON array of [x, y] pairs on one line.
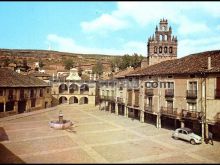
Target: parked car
[[187, 134]]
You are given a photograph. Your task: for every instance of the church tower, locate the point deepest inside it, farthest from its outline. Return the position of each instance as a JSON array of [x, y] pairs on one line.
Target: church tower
[[162, 45]]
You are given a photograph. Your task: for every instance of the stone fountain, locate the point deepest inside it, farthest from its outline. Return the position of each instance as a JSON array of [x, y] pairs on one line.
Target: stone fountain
[[61, 123]]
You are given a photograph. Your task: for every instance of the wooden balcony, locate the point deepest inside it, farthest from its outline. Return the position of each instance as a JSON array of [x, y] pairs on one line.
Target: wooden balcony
[[169, 93], [170, 112], [33, 96], [148, 108], [217, 93], [11, 97], [193, 115], [149, 92], [120, 100], [191, 94]]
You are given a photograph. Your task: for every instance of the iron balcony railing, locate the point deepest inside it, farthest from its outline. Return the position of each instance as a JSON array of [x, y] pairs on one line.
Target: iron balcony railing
[[169, 93], [217, 93], [149, 92], [170, 111], [191, 94], [191, 114], [11, 97], [148, 108], [33, 96], [120, 100]]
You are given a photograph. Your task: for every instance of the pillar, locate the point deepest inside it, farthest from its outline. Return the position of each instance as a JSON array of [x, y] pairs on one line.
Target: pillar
[[141, 116], [116, 108], [158, 121], [206, 130], [126, 112], [16, 106], [110, 107], [182, 124], [4, 107]]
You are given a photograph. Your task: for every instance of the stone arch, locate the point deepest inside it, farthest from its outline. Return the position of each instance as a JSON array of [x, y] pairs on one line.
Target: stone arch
[[165, 49], [73, 88], [84, 100], [73, 100], [63, 88], [155, 49], [165, 37], [160, 49], [62, 100], [161, 37], [170, 50], [84, 89]]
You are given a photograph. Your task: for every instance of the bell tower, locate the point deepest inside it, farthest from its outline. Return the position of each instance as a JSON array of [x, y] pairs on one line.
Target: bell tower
[[162, 45]]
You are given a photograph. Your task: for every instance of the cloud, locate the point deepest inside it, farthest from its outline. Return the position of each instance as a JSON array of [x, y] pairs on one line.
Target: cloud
[[189, 46], [104, 23], [143, 13], [64, 44]]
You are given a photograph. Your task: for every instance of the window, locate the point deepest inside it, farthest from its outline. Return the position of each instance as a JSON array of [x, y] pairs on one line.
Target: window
[[162, 85], [160, 49], [148, 84], [184, 132], [170, 50], [169, 104], [170, 85], [193, 85], [161, 37], [165, 49], [192, 106], [165, 37], [150, 101], [155, 49]]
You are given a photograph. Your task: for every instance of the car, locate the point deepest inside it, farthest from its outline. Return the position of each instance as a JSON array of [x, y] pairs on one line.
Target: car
[[187, 134]]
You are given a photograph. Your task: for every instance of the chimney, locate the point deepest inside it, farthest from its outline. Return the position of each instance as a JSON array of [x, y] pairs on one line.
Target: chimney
[[209, 63]]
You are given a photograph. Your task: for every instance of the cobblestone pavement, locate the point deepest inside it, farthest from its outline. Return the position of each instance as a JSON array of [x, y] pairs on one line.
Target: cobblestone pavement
[[96, 137]]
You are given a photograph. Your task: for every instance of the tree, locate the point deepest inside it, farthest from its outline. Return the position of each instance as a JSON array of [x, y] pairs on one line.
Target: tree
[[41, 64], [136, 60], [127, 61], [68, 63], [115, 63], [98, 68]]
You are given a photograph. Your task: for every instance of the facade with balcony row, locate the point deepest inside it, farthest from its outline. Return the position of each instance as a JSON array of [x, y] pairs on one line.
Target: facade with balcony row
[[22, 93], [174, 93]]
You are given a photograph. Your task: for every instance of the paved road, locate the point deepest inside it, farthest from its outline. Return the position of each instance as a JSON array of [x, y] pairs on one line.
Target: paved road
[[96, 137]]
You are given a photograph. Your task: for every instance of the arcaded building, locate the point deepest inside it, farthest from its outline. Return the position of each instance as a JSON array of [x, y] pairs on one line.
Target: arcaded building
[[22, 93]]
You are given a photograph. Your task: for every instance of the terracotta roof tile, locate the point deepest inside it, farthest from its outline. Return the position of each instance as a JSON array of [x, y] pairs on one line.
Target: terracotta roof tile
[[11, 78], [191, 64]]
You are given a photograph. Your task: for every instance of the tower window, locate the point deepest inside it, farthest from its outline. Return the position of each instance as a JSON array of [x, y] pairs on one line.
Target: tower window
[[161, 37], [165, 37], [165, 49], [160, 49], [170, 50], [155, 49]]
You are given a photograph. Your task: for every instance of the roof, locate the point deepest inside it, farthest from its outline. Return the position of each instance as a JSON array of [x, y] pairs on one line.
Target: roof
[[191, 64], [38, 74], [123, 73], [11, 78]]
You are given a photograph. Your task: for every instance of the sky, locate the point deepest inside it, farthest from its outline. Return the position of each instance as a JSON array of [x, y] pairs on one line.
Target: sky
[[107, 27]]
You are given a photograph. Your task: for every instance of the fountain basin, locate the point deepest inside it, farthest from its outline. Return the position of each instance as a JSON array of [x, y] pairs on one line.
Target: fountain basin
[[60, 125]]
